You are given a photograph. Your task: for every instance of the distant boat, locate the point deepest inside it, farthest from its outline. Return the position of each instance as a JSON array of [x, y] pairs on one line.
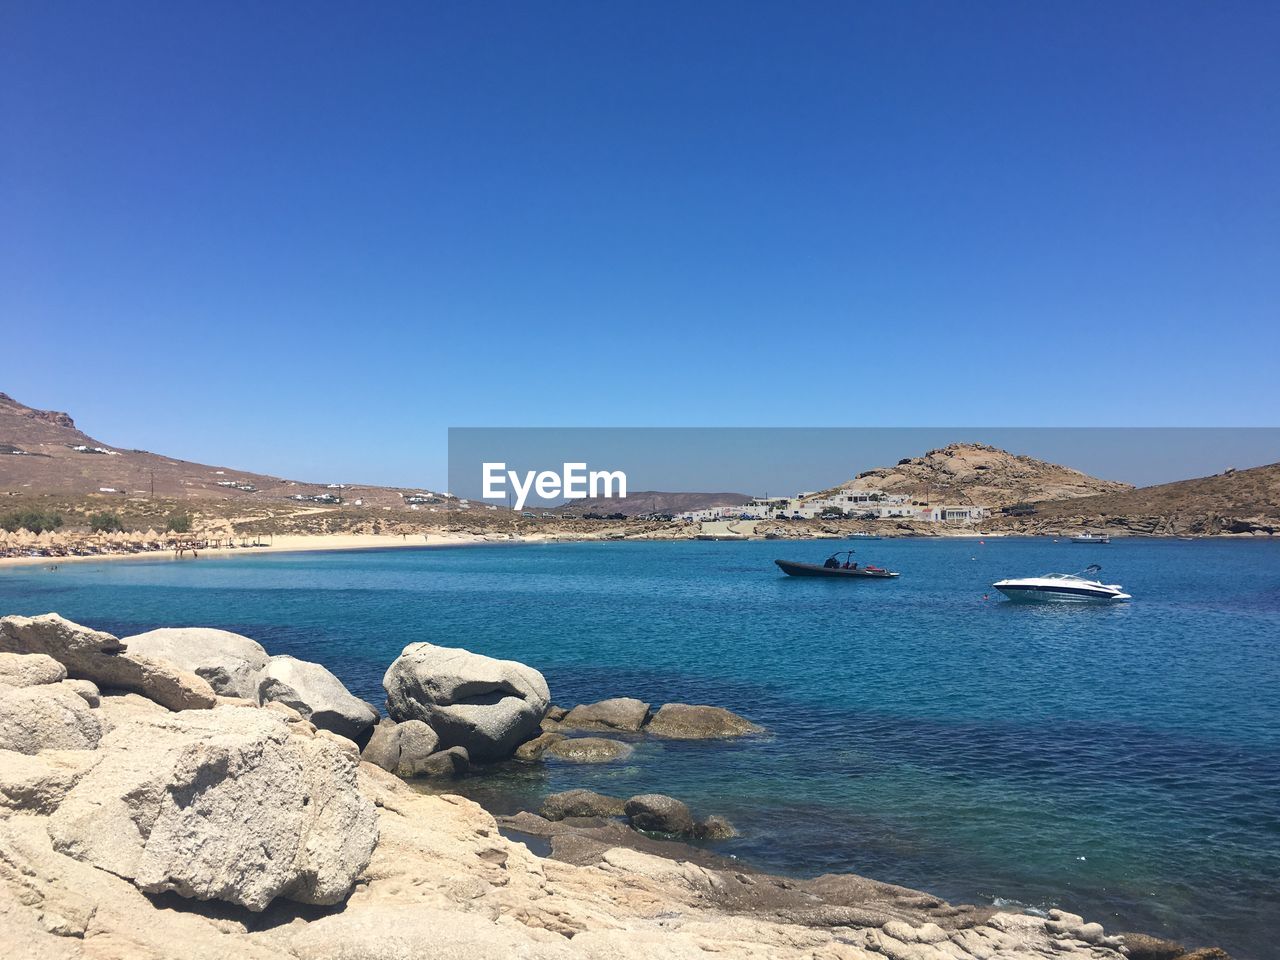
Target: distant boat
[[863, 535], [833, 568], [1062, 588], [1091, 538]]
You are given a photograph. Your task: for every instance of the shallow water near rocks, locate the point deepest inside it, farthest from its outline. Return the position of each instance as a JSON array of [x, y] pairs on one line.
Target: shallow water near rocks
[[1121, 762]]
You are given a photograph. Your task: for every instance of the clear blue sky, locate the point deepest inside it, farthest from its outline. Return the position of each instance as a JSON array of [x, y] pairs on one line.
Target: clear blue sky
[[306, 238]]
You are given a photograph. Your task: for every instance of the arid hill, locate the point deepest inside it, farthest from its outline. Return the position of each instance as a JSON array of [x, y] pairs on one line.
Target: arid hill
[[1236, 501], [43, 452], [645, 502], [963, 473]]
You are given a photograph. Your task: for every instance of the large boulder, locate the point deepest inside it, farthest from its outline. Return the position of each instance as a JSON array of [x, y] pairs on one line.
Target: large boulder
[[581, 803], [487, 706], [47, 717], [658, 813], [228, 804], [686, 721], [229, 662], [29, 670], [94, 655], [618, 713], [589, 750], [318, 695]]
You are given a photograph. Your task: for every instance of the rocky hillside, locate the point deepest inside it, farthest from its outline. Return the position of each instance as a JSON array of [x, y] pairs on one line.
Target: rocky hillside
[[143, 814], [1233, 502], [43, 452], [963, 473], [644, 502]]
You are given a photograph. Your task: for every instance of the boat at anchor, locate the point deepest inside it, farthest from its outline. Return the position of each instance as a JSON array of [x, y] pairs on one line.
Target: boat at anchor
[[1062, 588], [832, 567]]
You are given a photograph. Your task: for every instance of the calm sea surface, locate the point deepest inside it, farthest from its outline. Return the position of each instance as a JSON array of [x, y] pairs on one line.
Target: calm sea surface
[[1121, 762]]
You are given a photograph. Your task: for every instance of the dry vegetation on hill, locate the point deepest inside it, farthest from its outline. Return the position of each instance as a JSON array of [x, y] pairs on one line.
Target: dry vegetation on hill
[[48, 465], [975, 473]]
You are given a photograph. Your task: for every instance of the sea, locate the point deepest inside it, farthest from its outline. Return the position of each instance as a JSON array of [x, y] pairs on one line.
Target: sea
[[1120, 762]]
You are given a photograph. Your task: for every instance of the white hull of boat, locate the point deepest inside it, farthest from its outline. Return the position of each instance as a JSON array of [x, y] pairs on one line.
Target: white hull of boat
[[1057, 596], [1061, 588]]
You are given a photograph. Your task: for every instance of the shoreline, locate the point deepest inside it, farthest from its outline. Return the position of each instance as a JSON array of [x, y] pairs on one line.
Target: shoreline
[[281, 543], [402, 846], [352, 542]]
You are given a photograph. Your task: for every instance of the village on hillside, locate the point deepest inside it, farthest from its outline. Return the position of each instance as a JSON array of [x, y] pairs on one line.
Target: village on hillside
[[842, 504]]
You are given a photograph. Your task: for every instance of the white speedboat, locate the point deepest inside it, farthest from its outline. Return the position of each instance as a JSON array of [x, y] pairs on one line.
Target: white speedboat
[[1062, 588], [1091, 538]]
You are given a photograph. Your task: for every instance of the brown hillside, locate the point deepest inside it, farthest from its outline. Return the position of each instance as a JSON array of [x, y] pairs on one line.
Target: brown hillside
[[963, 473], [644, 502], [43, 452], [1237, 501]]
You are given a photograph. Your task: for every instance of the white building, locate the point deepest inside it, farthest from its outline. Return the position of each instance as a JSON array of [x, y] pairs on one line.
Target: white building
[[957, 514], [847, 503]]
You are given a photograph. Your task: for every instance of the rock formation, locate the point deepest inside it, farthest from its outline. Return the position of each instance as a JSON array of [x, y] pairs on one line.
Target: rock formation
[[229, 662], [589, 750], [100, 657], [618, 713], [107, 850], [316, 694], [487, 706], [684, 721]]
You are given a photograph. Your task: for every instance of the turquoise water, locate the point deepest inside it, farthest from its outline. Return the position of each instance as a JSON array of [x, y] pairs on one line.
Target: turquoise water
[[1122, 762]]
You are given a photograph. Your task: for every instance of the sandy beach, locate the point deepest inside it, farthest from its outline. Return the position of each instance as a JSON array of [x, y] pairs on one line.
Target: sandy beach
[[282, 543]]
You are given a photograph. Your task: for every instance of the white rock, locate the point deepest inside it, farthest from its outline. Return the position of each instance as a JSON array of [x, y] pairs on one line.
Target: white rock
[[47, 717], [29, 670], [224, 804], [93, 655], [38, 782], [487, 706], [229, 662], [316, 694]]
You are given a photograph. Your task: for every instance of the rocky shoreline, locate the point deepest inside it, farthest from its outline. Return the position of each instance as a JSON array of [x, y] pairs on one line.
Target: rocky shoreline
[[182, 793]]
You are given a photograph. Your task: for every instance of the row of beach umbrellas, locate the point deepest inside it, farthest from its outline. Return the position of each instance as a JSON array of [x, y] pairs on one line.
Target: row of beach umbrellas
[[54, 539]]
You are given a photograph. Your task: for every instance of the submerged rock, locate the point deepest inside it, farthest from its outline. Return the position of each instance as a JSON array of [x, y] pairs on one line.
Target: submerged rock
[[487, 706], [685, 721], [228, 662], [318, 695], [618, 713], [658, 813], [714, 827], [533, 749], [94, 655], [1142, 947], [581, 803], [589, 750]]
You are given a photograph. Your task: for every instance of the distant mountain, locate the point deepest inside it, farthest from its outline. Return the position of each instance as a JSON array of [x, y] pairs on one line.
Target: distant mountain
[[43, 452], [645, 502], [976, 473], [1235, 501]]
